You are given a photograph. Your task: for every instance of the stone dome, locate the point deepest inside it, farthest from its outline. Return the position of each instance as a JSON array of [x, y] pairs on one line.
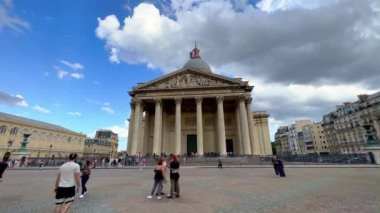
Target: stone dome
[[196, 61]]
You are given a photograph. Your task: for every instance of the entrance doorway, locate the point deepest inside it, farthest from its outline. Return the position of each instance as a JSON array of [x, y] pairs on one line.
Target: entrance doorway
[[230, 146], [191, 144]]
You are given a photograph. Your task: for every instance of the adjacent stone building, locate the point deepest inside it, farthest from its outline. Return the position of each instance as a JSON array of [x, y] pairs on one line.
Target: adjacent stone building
[[104, 144], [45, 141], [193, 110], [344, 126], [281, 143], [313, 140], [302, 137], [294, 135]]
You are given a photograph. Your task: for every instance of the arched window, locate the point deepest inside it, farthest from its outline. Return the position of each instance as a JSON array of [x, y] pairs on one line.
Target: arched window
[[3, 129], [14, 131]]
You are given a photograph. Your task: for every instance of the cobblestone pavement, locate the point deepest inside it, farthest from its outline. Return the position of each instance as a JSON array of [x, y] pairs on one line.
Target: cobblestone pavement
[[204, 190]]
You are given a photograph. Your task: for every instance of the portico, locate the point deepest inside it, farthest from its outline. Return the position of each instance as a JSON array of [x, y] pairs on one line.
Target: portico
[[192, 111]]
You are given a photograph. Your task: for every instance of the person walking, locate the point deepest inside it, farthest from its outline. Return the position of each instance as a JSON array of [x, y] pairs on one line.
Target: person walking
[[278, 166], [41, 164], [159, 178], [3, 167], [275, 166], [68, 176], [165, 167], [174, 177], [220, 163], [86, 172]]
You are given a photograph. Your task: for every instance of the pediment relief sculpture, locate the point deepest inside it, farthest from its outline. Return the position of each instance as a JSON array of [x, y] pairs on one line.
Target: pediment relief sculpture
[[188, 80]]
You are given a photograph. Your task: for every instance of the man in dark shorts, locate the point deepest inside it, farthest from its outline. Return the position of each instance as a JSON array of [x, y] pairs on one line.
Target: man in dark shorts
[[68, 177], [3, 166]]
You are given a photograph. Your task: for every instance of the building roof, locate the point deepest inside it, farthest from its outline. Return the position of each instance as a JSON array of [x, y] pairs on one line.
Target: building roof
[[196, 61], [35, 123], [375, 95]]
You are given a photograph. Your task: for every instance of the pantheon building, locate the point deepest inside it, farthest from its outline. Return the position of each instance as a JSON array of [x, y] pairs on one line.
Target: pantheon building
[[193, 110]]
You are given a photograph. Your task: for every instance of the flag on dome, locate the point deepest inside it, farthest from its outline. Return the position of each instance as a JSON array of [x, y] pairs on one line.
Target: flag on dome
[[194, 53]]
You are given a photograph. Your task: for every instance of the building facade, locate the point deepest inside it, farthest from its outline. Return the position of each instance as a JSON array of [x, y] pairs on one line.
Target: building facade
[[344, 127], [193, 110], [281, 143], [45, 141], [103, 145], [302, 137], [313, 140], [294, 135], [319, 139]]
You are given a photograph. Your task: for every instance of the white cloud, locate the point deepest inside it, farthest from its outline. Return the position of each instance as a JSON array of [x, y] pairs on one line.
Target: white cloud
[[12, 100], [77, 75], [74, 113], [273, 5], [287, 103], [74, 66], [41, 109], [108, 109], [279, 46], [93, 101], [8, 20], [144, 35], [122, 131], [61, 74], [127, 7], [22, 102], [69, 74], [303, 57]]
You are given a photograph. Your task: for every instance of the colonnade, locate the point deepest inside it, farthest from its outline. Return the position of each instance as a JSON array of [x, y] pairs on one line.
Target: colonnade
[[245, 131]]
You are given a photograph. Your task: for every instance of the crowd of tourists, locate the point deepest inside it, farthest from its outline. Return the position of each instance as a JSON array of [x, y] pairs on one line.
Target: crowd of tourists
[[74, 175]]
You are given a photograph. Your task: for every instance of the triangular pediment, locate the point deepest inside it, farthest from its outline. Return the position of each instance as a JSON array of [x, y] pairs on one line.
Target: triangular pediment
[[188, 78]]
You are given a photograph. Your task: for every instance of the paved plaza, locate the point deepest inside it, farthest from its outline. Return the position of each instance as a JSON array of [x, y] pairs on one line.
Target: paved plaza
[[204, 190]]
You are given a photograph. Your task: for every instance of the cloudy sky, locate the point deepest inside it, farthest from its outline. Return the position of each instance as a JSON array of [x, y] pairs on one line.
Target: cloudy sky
[[71, 63]]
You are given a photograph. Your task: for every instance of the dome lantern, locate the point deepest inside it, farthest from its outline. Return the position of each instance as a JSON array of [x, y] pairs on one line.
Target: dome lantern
[[196, 61]]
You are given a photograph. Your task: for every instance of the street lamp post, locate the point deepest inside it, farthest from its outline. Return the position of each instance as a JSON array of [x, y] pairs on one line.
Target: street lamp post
[[348, 150], [10, 142], [48, 156]]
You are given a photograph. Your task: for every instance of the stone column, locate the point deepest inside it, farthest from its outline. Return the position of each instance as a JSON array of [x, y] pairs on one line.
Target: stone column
[[164, 141], [146, 133], [255, 148], [157, 128], [267, 142], [140, 142], [261, 136], [221, 127], [136, 125], [199, 126], [238, 130], [244, 126], [177, 138], [130, 129]]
